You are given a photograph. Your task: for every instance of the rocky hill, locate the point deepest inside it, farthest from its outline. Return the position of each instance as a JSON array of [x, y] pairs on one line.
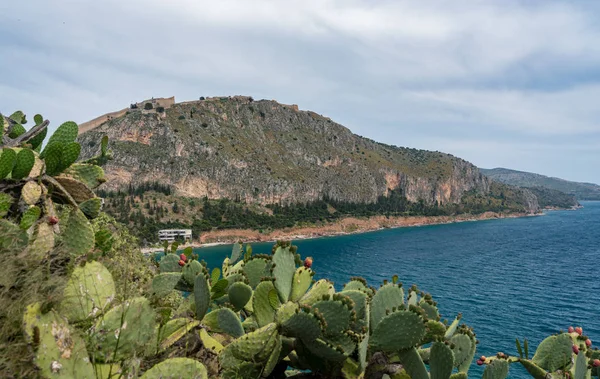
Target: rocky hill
[[263, 152], [581, 191]]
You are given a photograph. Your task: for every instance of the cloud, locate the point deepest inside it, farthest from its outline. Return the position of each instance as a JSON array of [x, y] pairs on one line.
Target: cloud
[[439, 74]]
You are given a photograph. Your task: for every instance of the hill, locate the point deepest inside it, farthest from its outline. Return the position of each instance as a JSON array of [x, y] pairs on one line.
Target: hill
[[582, 191], [262, 164]]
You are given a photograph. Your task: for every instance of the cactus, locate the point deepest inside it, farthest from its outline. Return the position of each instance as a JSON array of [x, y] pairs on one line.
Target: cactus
[[25, 160], [385, 299], [190, 270], [43, 242], [164, 283], [255, 269], [123, 331], [169, 263], [441, 361], [8, 159], [554, 352], [88, 292], [224, 320], [301, 283], [398, 331], [78, 236], [91, 207], [263, 311], [285, 266], [29, 217], [201, 294], [31, 192], [177, 368], [239, 295], [173, 331]]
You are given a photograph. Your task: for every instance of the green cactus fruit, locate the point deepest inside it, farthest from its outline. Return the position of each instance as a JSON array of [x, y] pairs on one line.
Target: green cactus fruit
[[255, 269], [286, 311], [256, 346], [224, 320], [441, 362], [209, 342], [64, 134], [387, 298], [435, 331], [5, 203], [273, 358], [78, 191], [452, 328], [285, 266], [89, 174], [123, 331], [173, 331], [31, 192], [236, 252], [78, 235], [300, 283], [169, 263], [430, 310], [8, 159], [91, 207], [498, 369], [191, 270], [23, 165], [250, 324], [43, 242], [263, 311], [239, 295], [554, 352], [336, 315], [29, 217], [397, 331], [89, 291], [321, 288], [201, 295], [163, 284], [61, 352], [413, 364], [461, 349], [177, 368], [534, 370], [302, 325], [17, 130]]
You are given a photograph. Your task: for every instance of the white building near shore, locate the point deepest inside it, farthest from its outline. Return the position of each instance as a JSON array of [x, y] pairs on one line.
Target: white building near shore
[[170, 234]]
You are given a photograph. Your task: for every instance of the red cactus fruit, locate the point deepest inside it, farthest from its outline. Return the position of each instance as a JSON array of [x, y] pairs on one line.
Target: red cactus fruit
[[579, 330], [575, 349], [479, 362], [181, 263], [308, 262], [571, 329], [52, 220], [588, 342], [183, 257], [596, 363]]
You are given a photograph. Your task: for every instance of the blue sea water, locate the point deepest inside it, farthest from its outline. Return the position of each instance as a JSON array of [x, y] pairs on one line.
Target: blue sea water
[[511, 278]]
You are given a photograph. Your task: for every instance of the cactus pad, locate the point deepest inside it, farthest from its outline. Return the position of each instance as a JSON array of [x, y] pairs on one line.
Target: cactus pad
[[29, 217], [123, 331], [201, 295], [286, 311], [256, 346], [385, 299], [328, 350], [441, 361], [360, 308], [169, 263], [319, 289], [190, 270], [65, 133], [461, 349], [162, 284], [303, 325], [273, 358], [91, 207], [43, 242], [430, 310], [255, 269], [177, 368], [239, 295], [413, 364], [452, 327], [397, 331], [89, 174], [174, 330], [79, 191], [78, 236], [5, 203], [23, 164], [236, 252], [89, 291], [8, 158], [224, 320], [31, 192], [435, 331], [498, 369], [263, 311], [209, 342], [300, 283], [285, 266], [554, 352], [336, 315], [61, 352]]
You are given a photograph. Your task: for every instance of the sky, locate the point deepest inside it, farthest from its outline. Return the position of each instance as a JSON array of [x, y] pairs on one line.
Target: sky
[[506, 83]]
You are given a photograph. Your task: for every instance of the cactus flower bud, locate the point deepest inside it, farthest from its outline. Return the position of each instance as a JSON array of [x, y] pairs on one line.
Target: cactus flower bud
[[575, 349], [579, 330], [588, 342], [308, 262], [181, 263], [571, 329]]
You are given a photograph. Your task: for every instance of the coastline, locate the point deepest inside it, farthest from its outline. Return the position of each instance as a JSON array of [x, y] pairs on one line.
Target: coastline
[[345, 226]]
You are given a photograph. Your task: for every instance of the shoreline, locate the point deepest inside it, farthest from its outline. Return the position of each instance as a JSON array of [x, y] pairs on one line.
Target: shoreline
[[341, 227]]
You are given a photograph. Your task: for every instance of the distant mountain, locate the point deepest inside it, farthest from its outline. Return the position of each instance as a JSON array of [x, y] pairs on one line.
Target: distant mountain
[[581, 191]]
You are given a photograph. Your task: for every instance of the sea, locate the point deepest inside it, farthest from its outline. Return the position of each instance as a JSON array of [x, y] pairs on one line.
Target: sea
[[510, 278]]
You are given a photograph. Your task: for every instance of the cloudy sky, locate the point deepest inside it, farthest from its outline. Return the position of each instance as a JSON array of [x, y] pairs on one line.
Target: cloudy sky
[[500, 83]]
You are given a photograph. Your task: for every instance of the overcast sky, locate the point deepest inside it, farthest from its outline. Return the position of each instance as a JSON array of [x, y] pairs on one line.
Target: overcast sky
[[501, 83]]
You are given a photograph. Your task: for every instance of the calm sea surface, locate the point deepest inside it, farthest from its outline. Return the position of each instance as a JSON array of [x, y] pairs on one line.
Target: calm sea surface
[[526, 277]]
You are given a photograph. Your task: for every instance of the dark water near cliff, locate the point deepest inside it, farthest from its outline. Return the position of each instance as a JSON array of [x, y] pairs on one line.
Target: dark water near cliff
[[526, 277]]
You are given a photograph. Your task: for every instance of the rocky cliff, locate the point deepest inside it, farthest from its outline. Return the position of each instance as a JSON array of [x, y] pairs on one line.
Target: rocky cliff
[[264, 152]]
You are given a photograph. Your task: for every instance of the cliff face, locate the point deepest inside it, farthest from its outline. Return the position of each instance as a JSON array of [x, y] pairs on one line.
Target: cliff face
[[265, 152]]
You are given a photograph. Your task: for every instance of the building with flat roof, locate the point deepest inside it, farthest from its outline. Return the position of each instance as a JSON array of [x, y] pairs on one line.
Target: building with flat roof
[[170, 234]]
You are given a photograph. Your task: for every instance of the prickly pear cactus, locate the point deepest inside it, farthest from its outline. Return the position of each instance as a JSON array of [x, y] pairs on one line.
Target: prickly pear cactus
[[177, 368]]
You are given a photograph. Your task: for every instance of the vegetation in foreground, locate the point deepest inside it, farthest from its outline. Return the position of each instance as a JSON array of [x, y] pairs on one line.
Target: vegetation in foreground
[[79, 301]]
